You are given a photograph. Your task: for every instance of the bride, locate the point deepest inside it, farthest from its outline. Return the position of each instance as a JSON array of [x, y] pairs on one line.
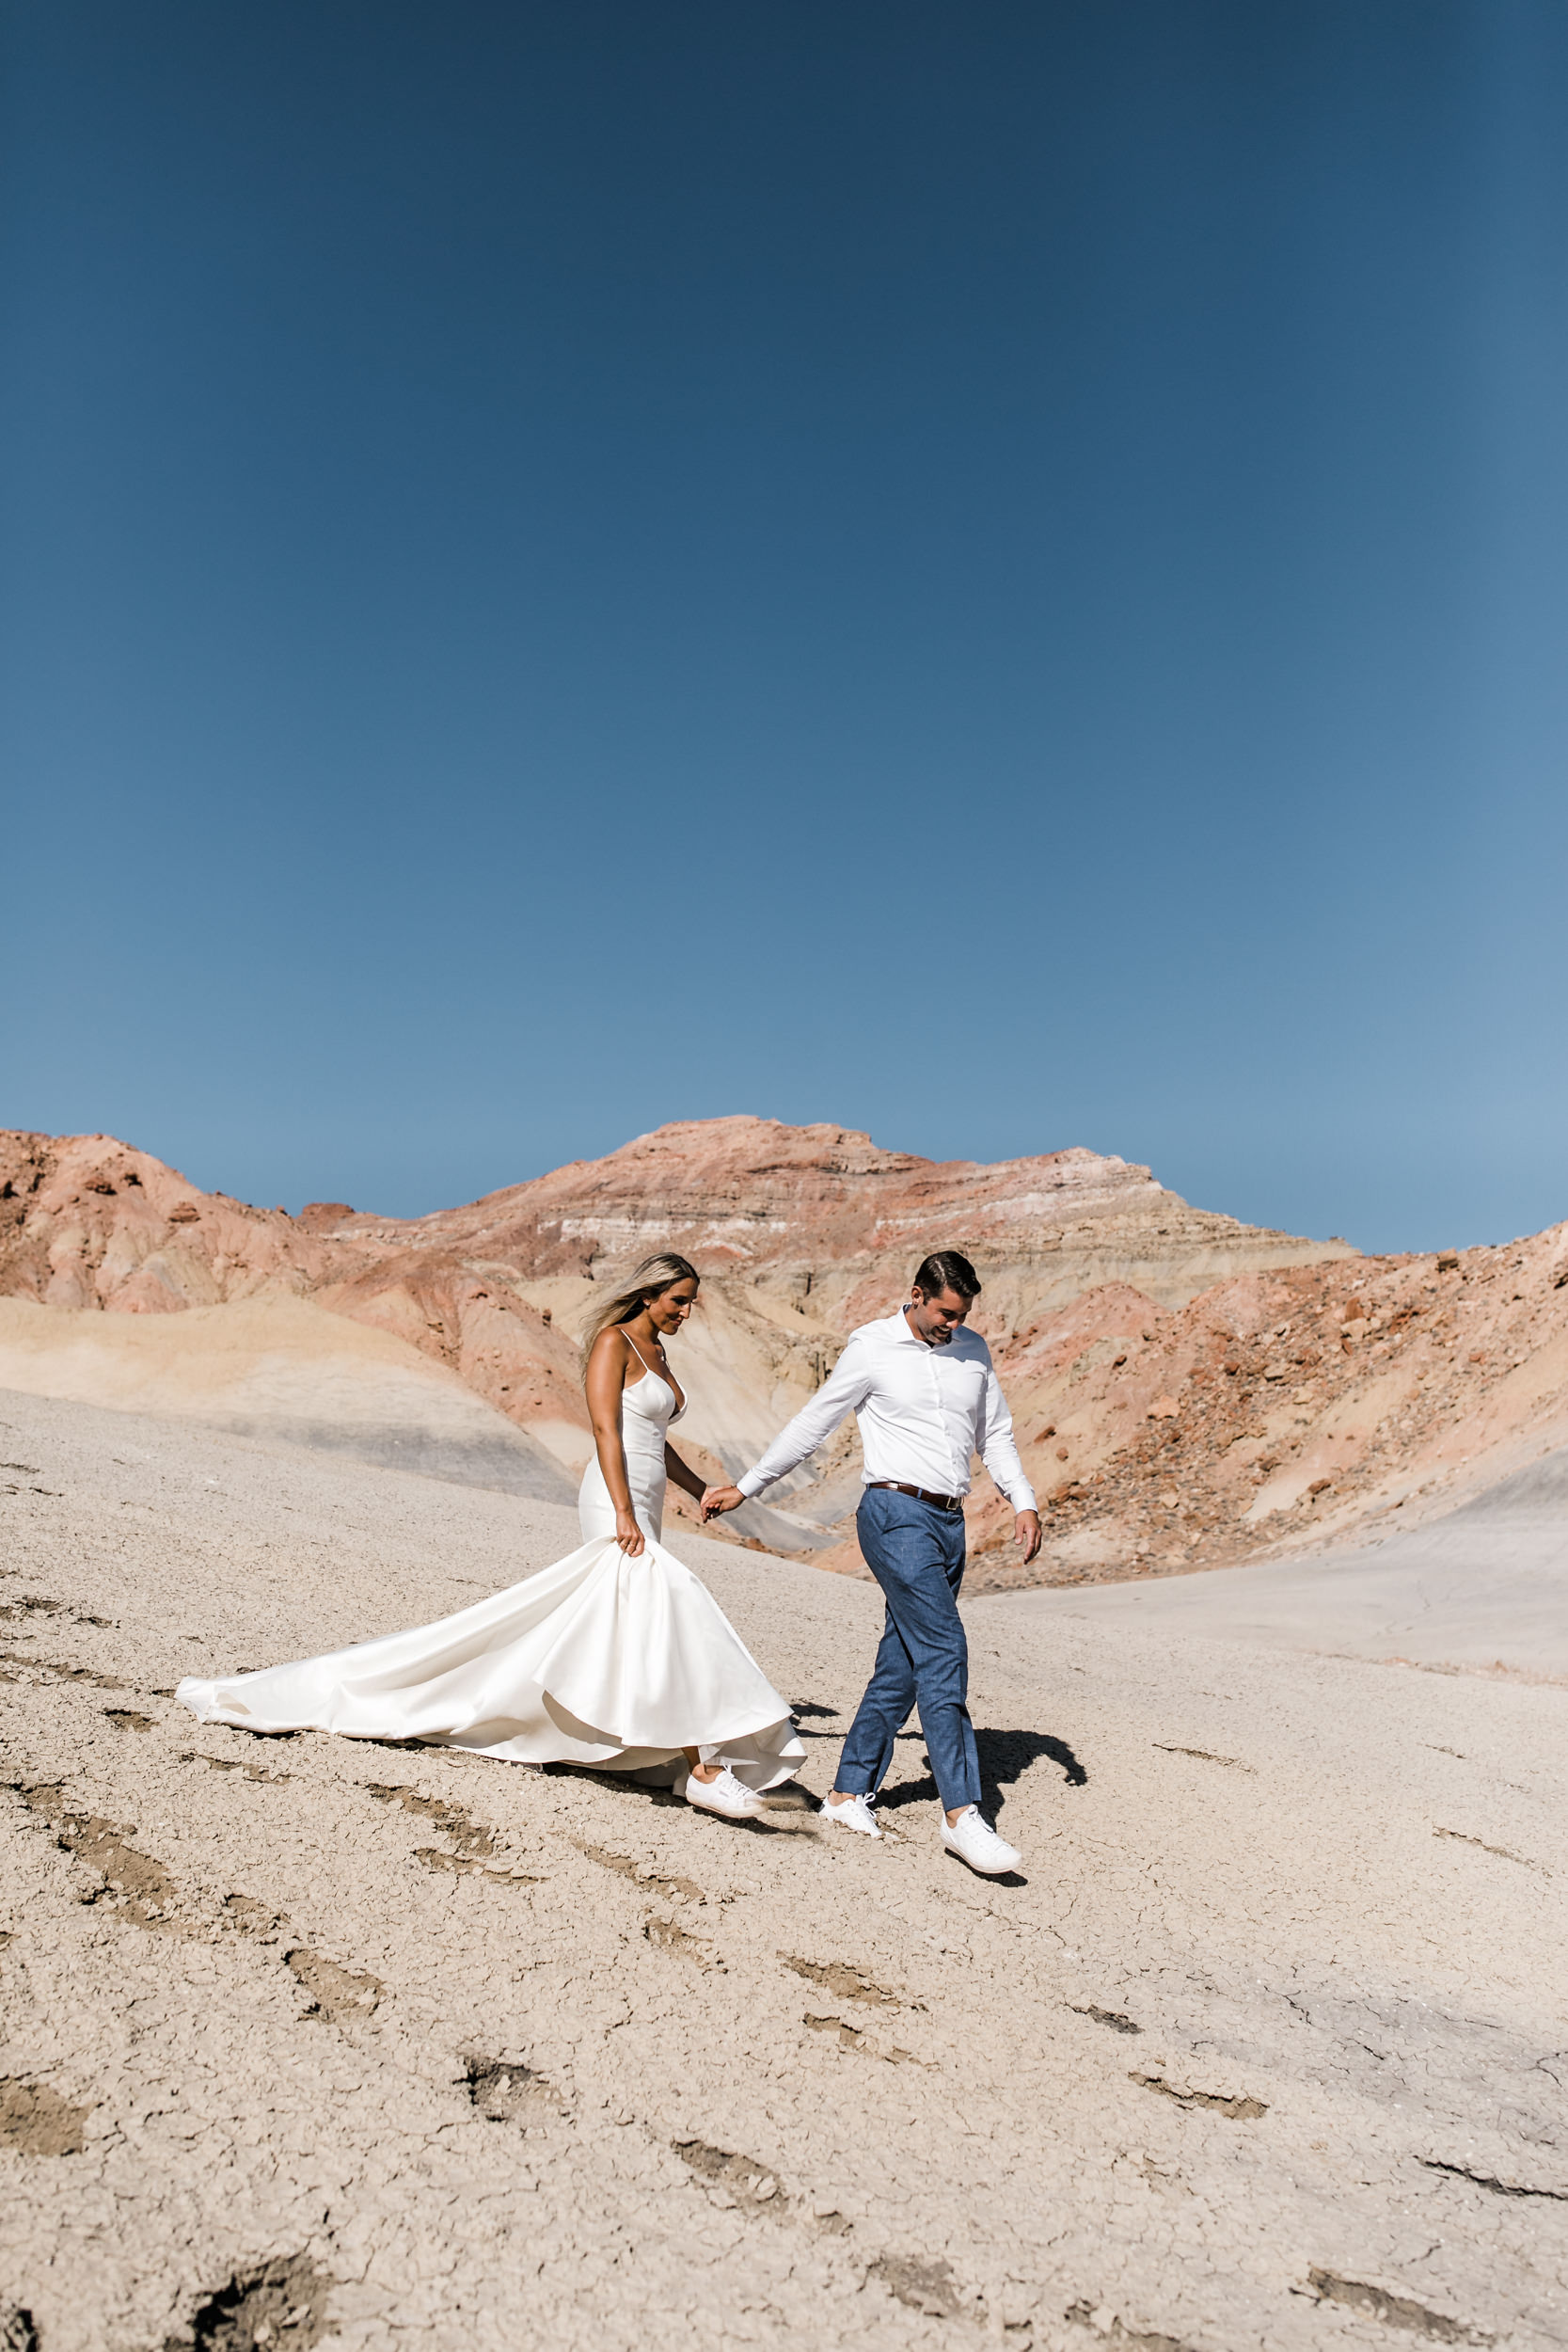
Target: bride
[[616, 1656]]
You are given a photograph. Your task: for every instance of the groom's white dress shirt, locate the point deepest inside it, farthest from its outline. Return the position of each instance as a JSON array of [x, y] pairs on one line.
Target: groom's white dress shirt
[[924, 1413]]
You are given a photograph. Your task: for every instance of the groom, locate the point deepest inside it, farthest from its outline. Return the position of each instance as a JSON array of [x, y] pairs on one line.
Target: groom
[[926, 1398]]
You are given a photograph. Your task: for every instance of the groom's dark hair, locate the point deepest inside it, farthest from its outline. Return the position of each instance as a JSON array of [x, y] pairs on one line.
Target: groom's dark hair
[[946, 1270]]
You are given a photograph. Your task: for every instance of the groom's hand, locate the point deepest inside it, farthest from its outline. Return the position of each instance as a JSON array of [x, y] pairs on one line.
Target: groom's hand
[[1026, 1528], [718, 1499]]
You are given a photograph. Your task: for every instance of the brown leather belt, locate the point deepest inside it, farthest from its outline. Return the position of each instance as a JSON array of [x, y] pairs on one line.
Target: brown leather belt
[[921, 1494]]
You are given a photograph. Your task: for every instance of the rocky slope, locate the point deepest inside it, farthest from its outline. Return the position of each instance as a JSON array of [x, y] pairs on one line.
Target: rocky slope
[[1283, 1409], [1188, 1389], [89, 1224]]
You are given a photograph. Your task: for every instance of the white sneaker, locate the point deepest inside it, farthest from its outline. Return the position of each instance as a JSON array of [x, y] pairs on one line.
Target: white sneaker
[[975, 1842], [854, 1813], [725, 1795]]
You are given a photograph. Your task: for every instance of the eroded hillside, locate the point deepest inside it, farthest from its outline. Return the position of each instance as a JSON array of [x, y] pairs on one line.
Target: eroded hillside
[[800, 1233], [1282, 1409], [1188, 1389]]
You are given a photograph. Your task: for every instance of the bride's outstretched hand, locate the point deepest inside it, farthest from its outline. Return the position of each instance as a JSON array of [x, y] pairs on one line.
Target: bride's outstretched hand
[[718, 1499]]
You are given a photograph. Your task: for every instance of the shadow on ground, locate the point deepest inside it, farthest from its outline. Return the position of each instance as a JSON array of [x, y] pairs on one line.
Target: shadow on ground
[[1004, 1758]]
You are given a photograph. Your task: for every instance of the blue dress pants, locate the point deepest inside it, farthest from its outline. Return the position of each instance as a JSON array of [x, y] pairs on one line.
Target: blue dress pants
[[916, 1553]]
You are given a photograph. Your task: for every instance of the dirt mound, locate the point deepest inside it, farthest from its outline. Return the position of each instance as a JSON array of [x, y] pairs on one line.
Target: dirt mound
[[284, 1369]]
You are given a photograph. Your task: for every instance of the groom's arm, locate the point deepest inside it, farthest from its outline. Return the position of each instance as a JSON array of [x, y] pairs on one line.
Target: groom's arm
[[997, 1448], [845, 1390], [994, 1444]]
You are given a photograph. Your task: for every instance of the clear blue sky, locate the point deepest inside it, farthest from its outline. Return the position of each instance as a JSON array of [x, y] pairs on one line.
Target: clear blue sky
[[997, 574]]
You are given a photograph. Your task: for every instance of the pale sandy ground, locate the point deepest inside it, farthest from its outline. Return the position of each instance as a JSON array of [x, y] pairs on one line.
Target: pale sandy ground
[[1268, 2049], [1482, 1589]]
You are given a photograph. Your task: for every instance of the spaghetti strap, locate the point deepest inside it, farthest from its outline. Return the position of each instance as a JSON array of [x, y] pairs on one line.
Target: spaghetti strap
[[635, 1350]]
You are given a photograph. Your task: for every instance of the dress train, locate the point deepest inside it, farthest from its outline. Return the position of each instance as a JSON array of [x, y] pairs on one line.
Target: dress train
[[597, 1660]]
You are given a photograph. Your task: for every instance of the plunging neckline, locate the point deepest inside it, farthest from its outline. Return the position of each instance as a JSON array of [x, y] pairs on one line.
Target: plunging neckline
[[649, 1374]]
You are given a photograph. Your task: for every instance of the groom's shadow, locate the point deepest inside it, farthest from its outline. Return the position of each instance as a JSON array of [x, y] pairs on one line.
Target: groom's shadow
[[1004, 1758]]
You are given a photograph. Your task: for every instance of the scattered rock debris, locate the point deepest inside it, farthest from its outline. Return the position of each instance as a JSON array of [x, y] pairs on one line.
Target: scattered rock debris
[[472, 1842], [18, 2332], [470, 1838], [1393, 2311], [127, 1719], [1111, 2328], [461, 1865], [1504, 1852], [1243, 2110], [739, 2180], [672, 1889], [924, 2286], [252, 1917], [282, 2305], [335, 1994], [851, 2038], [36, 2122], [135, 1883], [234, 1764], [1490, 2180], [669, 1936], [845, 1984], [1204, 1756], [506, 2092], [1112, 2018], [60, 1673], [1307, 1381]]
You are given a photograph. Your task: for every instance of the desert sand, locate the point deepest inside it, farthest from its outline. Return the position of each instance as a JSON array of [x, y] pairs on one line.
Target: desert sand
[[311, 2042], [1482, 1589]]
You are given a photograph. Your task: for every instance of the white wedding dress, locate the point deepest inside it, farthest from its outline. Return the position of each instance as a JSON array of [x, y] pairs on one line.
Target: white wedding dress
[[600, 1660]]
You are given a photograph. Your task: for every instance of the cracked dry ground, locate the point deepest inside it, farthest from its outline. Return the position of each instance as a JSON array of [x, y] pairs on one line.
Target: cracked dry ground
[[308, 2043]]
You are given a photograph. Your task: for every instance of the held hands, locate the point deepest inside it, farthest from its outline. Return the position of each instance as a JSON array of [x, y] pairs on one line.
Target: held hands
[[719, 1499], [1026, 1531], [628, 1535]]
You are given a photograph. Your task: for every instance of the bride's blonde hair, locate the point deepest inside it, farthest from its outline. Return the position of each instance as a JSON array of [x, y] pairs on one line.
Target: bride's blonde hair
[[655, 1275]]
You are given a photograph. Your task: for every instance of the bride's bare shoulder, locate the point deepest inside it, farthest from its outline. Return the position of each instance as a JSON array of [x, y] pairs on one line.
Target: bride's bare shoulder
[[609, 1354]]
